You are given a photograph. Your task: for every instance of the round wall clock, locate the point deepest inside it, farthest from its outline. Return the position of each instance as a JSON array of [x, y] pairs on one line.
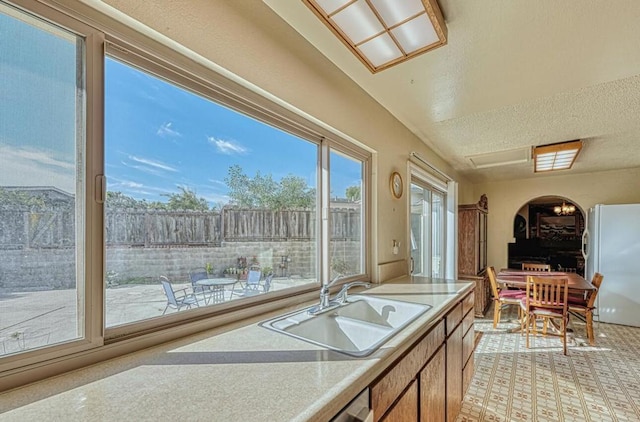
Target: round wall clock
[[396, 184]]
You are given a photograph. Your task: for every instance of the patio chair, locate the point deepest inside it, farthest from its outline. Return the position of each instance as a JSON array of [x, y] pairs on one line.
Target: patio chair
[[266, 285], [177, 299], [195, 275], [253, 285]]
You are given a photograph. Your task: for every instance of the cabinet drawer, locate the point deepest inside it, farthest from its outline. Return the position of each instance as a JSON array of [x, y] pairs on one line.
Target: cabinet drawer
[[467, 303], [467, 322], [453, 318], [387, 389]]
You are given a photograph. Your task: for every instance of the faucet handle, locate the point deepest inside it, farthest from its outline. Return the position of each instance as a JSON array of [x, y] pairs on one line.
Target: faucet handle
[[342, 295]]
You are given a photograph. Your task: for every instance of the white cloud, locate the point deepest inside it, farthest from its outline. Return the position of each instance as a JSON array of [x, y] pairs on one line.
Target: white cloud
[[152, 163], [31, 167], [227, 147], [135, 189], [165, 130], [217, 182]]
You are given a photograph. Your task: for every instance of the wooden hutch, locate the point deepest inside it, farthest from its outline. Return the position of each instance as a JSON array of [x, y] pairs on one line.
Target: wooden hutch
[[472, 250]]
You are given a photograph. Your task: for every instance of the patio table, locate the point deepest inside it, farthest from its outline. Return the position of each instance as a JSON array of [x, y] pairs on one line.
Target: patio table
[[215, 287]]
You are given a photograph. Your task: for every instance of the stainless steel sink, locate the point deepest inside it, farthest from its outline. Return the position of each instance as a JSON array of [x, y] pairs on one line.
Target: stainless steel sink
[[357, 328]]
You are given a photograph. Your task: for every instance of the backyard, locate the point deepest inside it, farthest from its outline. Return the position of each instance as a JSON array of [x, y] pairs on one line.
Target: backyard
[[34, 319]]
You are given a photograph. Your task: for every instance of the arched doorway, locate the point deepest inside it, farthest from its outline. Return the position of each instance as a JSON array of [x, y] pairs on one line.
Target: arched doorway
[[548, 229]]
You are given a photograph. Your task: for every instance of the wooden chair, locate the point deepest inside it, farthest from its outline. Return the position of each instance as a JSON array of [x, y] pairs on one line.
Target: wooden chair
[[529, 266], [546, 298], [585, 307], [502, 297]]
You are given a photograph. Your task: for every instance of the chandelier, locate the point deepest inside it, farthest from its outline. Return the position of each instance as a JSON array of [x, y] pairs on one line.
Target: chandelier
[[564, 209]]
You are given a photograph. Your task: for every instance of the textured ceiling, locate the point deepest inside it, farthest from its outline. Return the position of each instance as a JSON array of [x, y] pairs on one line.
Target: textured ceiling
[[514, 74]]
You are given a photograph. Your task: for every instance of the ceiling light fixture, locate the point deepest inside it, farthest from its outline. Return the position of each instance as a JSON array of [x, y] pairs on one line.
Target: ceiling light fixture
[[564, 209], [556, 156], [382, 33]]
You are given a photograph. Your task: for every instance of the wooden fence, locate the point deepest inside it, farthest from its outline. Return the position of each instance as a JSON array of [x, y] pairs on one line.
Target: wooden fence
[[54, 228]]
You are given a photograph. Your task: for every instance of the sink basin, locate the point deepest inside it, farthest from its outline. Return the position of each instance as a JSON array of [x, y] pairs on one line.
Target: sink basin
[[357, 328]]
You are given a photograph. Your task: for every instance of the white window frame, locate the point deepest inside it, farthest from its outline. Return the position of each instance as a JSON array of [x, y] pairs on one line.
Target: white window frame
[[89, 274], [425, 175], [161, 60]]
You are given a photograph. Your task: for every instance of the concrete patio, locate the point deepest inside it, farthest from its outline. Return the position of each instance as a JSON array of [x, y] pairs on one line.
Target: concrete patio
[[34, 319]]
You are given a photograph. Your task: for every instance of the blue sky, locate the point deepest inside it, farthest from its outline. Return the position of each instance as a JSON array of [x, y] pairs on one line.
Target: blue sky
[[158, 137]]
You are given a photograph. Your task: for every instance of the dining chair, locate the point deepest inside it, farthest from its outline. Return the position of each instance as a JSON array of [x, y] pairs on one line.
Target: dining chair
[[546, 298], [530, 266], [586, 306], [502, 297], [177, 299]]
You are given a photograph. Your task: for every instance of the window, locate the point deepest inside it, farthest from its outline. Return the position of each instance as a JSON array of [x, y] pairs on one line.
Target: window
[[209, 186], [42, 158], [428, 231], [346, 243], [200, 194]]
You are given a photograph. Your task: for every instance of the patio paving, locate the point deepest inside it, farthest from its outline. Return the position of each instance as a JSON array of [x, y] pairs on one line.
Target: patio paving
[[34, 319]]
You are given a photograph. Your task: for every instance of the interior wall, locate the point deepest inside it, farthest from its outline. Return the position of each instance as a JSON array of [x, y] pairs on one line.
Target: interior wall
[[585, 190]]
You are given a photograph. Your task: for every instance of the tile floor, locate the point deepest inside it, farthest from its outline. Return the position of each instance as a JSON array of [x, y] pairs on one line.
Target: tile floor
[[513, 383]]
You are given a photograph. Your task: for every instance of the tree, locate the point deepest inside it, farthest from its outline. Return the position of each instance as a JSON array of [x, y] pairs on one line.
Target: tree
[[121, 201], [353, 193], [186, 200], [262, 191], [11, 198]]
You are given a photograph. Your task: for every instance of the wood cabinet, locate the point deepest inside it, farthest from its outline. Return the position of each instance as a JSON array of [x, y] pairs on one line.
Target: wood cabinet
[[459, 346], [454, 362], [433, 398], [388, 388], [472, 250], [428, 382], [406, 409], [468, 345]]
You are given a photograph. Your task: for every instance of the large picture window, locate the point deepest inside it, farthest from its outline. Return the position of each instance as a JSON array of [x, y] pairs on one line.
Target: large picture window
[[218, 205], [137, 194]]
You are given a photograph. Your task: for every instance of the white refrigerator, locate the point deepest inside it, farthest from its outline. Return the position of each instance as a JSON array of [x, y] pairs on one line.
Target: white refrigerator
[[611, 246]]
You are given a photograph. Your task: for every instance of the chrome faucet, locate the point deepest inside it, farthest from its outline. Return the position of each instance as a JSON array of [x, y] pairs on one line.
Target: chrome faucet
[[342, 296], [325, 301]]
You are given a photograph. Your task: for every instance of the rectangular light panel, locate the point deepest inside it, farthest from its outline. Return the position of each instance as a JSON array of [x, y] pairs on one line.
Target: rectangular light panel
[[559, 156], [383, 33]]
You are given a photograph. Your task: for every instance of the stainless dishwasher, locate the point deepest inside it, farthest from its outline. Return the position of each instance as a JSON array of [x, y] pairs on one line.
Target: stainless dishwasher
[[356, 411]]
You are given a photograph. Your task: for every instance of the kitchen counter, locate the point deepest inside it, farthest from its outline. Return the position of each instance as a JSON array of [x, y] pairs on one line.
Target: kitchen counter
[[239, 373]]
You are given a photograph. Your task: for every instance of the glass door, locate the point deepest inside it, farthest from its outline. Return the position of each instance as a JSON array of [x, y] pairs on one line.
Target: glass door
[[427, 231]]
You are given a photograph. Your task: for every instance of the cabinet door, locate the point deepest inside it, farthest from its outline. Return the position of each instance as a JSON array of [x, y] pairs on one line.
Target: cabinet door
[[454, 373], [482, 242], [406, 409], [386, 390], [432, 389]]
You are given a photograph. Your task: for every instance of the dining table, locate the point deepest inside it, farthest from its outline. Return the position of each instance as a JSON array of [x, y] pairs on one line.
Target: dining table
[[215, 287], [516, 278]]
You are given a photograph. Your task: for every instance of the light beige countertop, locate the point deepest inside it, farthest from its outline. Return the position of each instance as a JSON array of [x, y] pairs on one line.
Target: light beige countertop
[[248, 373]]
